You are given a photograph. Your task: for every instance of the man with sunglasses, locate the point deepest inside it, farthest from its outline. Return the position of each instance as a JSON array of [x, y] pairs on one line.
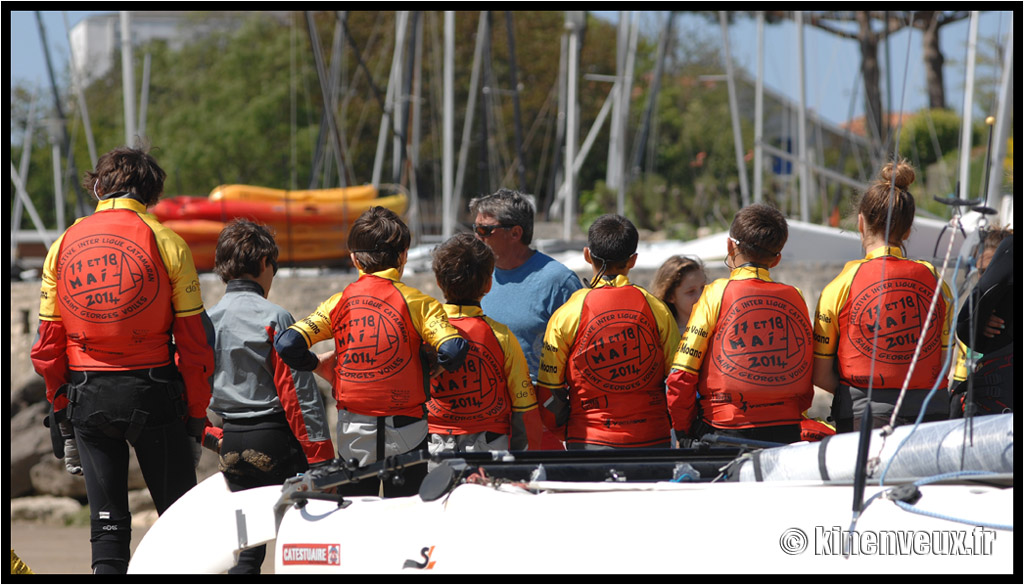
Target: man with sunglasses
[[528, 285]]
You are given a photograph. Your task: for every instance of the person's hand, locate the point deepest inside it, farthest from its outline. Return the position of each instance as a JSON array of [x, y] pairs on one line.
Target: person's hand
[[197, 451], [195, 428], [325, 369], [994, 326], [72, 462], [212, 442]]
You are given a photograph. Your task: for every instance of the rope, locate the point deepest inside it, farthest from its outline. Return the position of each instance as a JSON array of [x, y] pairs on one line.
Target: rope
[[954, 223], [920, 414], [943, 477]]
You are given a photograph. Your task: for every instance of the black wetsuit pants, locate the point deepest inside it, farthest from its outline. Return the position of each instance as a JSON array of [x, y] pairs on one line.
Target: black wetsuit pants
[[258, 452], [109, 411]]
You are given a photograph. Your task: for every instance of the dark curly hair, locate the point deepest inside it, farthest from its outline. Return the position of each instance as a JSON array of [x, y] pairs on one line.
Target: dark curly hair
[[463, 266], [760, 231], [378, 238], [126, 170], [241, 248], [612, 239]]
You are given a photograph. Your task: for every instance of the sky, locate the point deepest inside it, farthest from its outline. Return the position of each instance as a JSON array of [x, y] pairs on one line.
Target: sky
[[831, 65]]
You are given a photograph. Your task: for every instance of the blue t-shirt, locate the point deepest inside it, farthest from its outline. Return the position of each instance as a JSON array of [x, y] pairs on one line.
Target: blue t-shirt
[[524, 298]]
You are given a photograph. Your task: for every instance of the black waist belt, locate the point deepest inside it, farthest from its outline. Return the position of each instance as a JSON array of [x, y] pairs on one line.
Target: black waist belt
[[165, 373], [274, 419], [399, 421]]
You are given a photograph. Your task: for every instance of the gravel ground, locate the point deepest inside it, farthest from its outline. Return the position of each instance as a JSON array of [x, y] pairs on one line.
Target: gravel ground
[[48, 549]]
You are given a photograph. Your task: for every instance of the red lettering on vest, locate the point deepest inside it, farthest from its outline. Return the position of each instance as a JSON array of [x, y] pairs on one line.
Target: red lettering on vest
[[473, 398], [114, 293], [616, 372], [378, 372]]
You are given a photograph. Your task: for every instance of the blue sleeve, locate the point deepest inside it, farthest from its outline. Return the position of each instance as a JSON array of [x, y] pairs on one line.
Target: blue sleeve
[[570, 285], [292, 348], [452, 353]]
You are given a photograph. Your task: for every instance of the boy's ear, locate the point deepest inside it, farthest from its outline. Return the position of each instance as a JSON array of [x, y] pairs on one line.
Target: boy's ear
[[586, 255], [776, 260], [631, 262], [487, 285]]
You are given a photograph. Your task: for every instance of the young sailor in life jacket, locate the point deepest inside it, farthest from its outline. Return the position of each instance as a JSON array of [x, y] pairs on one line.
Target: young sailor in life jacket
[[124, 348], [489, 403], [606, 351], [743, 367], [275, 425], [385, 335], [870, 320]]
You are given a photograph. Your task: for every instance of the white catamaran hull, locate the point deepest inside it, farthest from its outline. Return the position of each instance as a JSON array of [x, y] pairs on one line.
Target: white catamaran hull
[[961, 525], [713, 528]]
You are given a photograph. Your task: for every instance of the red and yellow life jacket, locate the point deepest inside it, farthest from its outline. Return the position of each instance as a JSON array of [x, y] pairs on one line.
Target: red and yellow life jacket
[[758, 368], [114, 294], [475, 397], [888, 300], [379, 371], [616, 372]]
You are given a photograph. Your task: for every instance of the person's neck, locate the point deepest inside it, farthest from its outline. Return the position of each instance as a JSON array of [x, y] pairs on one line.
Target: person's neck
[[741, 259], [514, 259], [611, 275], [872, 241]]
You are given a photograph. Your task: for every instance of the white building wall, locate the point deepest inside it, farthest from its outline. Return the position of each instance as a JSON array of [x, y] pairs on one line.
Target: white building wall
[[96, 40]]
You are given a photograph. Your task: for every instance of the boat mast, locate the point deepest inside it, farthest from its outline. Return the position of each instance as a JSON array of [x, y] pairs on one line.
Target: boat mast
[[805, 175], [965, 131], [61, 135], [1002, 128], [640, 144], [467, 126], [626, 58], [326, 93], [574, 21], [514, 79], [389, 99], [737, 136], [76, 82], [413, 126], [447, 174], [759, 112], [128, 78]]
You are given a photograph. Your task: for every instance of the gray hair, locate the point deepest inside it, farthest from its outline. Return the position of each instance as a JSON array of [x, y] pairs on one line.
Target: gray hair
[[509, 208]]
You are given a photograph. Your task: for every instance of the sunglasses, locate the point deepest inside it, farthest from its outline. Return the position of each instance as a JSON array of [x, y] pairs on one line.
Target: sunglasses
[[485, 231]]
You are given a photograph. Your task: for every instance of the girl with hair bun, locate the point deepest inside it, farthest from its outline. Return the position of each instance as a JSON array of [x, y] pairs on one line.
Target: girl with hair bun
[[870, 320]]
